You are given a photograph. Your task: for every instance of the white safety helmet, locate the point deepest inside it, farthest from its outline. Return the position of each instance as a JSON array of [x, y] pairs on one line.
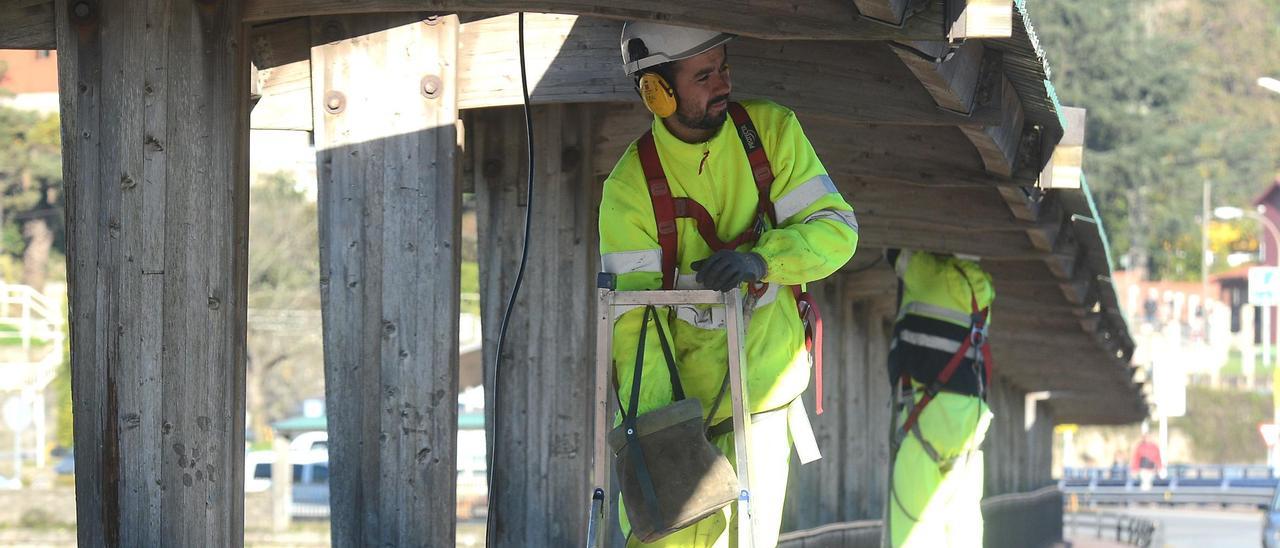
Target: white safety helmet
[[646, 44]]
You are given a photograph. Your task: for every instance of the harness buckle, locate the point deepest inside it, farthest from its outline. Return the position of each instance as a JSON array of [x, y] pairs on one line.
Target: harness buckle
[[933, 388]]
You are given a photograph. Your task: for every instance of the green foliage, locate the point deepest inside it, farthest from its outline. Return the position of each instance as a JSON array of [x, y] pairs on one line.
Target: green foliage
[[30, 181], [284, 260], [1172, 102], [63, 434], [1222, 425]]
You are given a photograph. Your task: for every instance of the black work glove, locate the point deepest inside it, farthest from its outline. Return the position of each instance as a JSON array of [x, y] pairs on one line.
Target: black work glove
[[725, 270]]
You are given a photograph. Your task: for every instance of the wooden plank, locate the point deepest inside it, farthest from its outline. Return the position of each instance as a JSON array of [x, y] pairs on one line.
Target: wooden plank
[[998, 145], [28, 24], [889, 12], [281, 52], [390, 238], [966, 83], [575, 59], [982, 19], [1022, 201], [814, 20], [544, 422], [993, 246], [918, 157], [155, 150]]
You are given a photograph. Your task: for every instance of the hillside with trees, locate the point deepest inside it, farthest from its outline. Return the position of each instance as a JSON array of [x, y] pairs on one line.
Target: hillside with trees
[[1171, 90]]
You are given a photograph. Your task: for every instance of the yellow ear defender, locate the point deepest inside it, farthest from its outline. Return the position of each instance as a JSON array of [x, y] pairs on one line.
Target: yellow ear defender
[[657, 94]]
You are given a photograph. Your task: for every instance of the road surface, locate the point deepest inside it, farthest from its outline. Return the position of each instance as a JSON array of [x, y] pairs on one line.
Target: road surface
[[1198, 527]]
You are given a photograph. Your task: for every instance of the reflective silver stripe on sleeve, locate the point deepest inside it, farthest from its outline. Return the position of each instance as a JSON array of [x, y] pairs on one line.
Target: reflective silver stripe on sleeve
[[803, 196], [926, 309], [935, 342], [839, 216], [625, 262]]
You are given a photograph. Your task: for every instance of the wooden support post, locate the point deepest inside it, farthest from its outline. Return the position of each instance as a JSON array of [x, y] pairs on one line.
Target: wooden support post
[[849, 482], [155, 159], [389, 252], [544, 423]]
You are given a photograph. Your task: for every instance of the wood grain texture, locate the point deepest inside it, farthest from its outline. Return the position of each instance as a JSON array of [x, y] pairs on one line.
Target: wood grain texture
[[155, 150], [888, 11], [27, 24], [389, 248], [575, 59], [545, 413], [853, 433], [281, 52], [812, 20]]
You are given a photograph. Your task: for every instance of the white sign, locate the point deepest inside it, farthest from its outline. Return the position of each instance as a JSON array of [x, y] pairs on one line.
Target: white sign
[[1270, 433], [1169, 385], [17, 414], [1264, 286]]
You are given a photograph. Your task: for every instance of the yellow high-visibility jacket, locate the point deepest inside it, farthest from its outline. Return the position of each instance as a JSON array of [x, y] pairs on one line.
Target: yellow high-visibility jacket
[[817, 234], [934, 317]]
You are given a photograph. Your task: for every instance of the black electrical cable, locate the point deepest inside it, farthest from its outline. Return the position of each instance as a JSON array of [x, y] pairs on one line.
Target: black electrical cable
[[511, 302]]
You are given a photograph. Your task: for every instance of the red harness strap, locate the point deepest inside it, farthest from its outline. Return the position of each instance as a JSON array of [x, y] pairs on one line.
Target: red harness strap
[[977, 338], [663, 207], [666, 209]]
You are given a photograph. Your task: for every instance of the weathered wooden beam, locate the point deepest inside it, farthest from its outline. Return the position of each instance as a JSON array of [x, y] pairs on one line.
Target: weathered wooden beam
[[889, 12], [918, 158], [965, 81], [994, 246], [1065, 166], [981, 19], [813, 20], [155, 159], [389, 208], [999, 144], [281, 53], [27, 24], [545, 414], [975, 207], [1053, 222], [574, 59], [1023, 201]]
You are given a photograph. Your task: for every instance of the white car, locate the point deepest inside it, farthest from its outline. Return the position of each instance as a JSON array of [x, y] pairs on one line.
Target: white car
[[310, 474], [310, 441]]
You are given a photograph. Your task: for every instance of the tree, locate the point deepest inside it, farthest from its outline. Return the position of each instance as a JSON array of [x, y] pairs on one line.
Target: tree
[[1172, 103], [285, 354], [30, 191]]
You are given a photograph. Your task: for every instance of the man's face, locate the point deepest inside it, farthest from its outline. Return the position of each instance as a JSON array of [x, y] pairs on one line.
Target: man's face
[[702, 86]]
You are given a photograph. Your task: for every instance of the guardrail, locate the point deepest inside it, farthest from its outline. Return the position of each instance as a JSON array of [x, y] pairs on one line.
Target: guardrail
[[1184, 484], [1136, 531], [1013, 520]]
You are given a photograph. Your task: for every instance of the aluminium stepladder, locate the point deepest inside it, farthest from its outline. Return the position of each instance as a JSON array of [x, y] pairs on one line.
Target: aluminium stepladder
[[608, 300]]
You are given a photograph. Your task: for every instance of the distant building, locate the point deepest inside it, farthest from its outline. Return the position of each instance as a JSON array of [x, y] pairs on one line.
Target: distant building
[[32, 77]]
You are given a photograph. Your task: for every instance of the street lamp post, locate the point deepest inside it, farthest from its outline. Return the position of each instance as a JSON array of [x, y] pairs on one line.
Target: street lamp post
[[1228, 213]]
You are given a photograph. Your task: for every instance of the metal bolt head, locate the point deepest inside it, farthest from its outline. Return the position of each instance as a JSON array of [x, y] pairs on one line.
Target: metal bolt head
[[431, 86], [82, 9], [334, 102], [431, 20]]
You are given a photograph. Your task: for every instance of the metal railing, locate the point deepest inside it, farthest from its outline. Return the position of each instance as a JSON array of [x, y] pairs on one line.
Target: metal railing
[[39, 326], [1012, 520], [1250, 485], [1135, 531]]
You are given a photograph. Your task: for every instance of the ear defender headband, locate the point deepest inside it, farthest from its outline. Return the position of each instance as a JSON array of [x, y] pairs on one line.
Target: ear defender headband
[[657, 94]]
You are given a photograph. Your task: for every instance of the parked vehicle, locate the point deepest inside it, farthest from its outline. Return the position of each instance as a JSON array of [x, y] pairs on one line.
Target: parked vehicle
[[310, 475], [67, 464], [1271, 528]]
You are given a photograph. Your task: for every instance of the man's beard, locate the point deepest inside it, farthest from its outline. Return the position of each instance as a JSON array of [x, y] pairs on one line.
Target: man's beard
[[705, 120]]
